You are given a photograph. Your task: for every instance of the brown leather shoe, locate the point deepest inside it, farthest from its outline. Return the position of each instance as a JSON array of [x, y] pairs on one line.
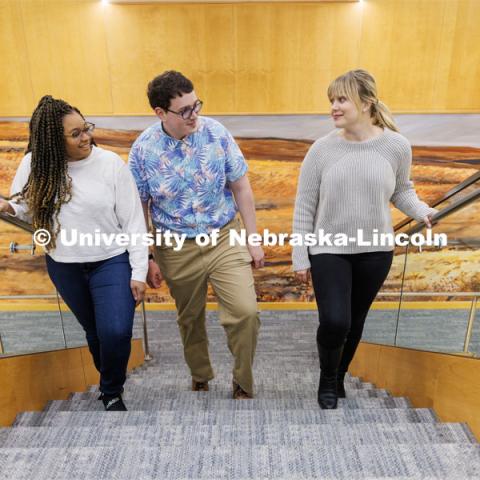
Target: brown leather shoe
[[239, 393], [199, 386]]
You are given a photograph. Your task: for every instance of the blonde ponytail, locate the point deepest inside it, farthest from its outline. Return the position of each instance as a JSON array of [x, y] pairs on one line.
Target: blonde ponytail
[[382, 116]]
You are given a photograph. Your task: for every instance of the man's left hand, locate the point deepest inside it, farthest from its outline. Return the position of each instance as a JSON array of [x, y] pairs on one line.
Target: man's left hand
[[258, 256]]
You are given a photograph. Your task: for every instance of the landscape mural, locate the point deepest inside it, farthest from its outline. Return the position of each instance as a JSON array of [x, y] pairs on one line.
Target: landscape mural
[[273, 170]]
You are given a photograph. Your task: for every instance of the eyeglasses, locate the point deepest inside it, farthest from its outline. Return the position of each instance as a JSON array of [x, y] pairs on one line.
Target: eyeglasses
[[88, 128], [187, 112]]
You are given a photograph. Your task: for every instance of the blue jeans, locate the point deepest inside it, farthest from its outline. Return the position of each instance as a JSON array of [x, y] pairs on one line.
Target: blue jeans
[[99, 295]]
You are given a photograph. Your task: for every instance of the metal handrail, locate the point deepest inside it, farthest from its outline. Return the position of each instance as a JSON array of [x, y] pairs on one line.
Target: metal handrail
[[27, 297], [454, 191], [471, 320], [429, 294], [14, 220], [455, 206], [147, 357], [17, 222]]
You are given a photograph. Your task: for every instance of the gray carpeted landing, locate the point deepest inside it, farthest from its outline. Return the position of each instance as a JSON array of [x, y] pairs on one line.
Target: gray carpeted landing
[[170, 432]]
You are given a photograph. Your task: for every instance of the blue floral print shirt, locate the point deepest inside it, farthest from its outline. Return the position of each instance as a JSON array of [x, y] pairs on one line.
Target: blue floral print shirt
[[187, 180]]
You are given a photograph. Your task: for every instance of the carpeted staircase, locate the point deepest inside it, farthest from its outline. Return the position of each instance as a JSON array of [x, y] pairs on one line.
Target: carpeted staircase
[[170, 432]]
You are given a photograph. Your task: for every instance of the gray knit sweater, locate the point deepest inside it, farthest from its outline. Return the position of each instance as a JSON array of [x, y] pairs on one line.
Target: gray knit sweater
[[346, 186]]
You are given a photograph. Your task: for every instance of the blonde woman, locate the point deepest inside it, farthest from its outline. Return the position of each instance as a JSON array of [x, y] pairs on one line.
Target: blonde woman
[[346, 184]]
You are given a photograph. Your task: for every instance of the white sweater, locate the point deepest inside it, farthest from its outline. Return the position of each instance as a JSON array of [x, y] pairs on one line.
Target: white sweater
[[104, 198], [346, 186]]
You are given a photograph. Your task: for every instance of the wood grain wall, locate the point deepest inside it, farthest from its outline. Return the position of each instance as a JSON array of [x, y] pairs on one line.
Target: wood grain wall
[[450, 384], [27, 382], [243, 58]]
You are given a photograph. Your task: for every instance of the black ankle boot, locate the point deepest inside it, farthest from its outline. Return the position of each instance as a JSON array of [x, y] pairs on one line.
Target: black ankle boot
[[327, 389], [340, 386]]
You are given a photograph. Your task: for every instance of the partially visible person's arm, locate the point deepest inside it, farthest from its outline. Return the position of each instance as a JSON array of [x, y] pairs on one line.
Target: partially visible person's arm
[[236, 174], [243, 194], [137, 167], [18, 208], [129, 212], [154, 276], [306, 204], [404, 197]]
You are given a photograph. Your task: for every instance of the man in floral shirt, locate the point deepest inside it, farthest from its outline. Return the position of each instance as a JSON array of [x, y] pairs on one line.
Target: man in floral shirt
[[191, 176]]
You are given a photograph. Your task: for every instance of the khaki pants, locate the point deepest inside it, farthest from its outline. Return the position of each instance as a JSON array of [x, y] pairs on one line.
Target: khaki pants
[[228, 268]]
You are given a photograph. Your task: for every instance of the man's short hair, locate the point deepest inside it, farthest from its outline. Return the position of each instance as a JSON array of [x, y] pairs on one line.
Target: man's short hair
[[168, 85]]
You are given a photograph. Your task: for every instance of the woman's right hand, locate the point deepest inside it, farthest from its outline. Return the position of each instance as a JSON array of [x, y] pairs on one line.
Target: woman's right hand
[[302, 275], [5, 207]]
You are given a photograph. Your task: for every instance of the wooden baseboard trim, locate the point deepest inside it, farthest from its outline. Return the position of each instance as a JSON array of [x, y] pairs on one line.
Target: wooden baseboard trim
[[28, 382]]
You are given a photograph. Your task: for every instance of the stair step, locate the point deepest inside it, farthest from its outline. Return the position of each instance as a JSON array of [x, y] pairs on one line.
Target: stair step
[[175, 375], [253, 417], [286, 380], [291, 435], [219, 391], [206, 403], [327, 461], [171, 432]]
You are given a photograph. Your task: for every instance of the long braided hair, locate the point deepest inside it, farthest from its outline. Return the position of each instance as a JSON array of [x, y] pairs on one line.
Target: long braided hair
[[49, 185]]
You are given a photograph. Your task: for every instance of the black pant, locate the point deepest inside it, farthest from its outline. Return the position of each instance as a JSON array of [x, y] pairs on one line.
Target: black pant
[[99, 296], [345, 287]]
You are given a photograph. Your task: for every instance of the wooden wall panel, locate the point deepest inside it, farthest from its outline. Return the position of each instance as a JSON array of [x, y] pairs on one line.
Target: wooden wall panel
[[27, 382], [16, 94], [450, 384], [243, 58], [425, 55], [463, 88], [287, 55], [66, 52], [145, 40]]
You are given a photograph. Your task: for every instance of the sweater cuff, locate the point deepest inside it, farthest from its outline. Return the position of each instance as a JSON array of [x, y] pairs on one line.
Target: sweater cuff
[[423, 211], [139, 275], [16, 208], [300, 259]]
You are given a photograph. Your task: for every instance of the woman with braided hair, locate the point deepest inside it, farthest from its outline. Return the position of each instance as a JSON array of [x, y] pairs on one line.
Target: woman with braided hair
[[65, 184], [347, 181]]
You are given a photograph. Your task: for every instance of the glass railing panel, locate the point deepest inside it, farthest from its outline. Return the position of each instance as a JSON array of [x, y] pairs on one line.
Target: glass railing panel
[[440, 284], [381, 323], [29, 325], [75, 335], [29, 315], [433, 323]]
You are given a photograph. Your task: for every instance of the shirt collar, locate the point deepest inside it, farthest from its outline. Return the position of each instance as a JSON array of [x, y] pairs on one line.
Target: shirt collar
[[189, 139]]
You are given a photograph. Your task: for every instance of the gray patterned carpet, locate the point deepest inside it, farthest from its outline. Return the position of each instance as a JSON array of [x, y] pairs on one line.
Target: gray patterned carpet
[[170, 432]]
